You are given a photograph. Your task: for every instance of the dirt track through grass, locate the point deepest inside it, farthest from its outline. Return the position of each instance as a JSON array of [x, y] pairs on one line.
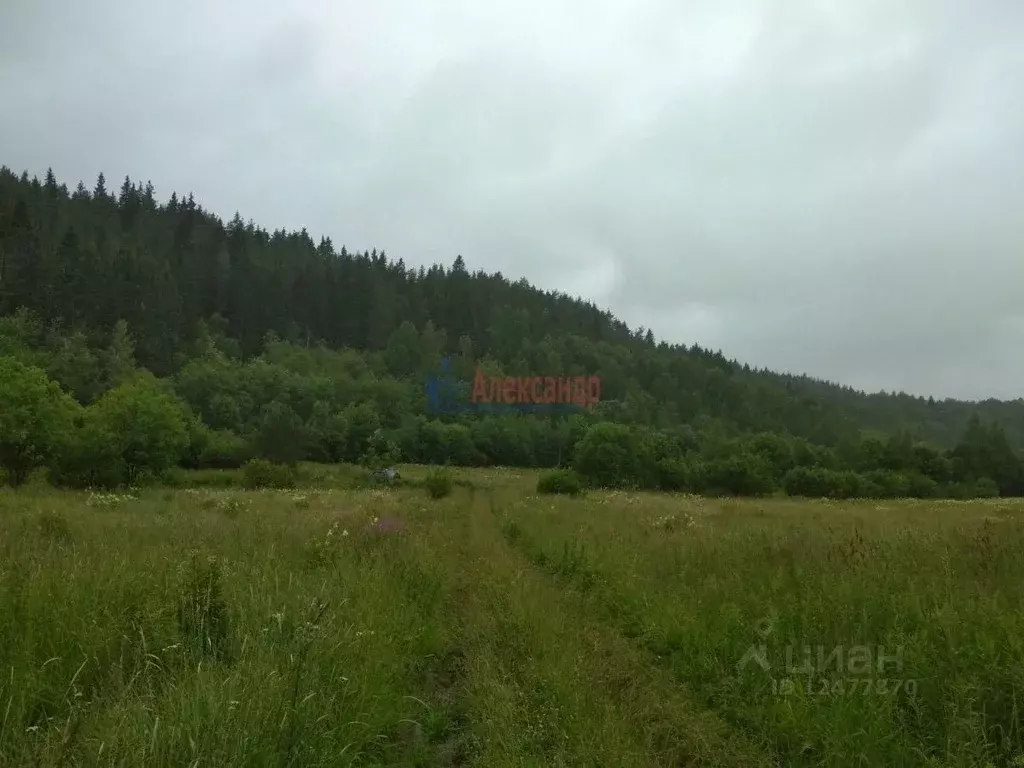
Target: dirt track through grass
[[544, 684], [379, 627], [830, 592], [315, 628]]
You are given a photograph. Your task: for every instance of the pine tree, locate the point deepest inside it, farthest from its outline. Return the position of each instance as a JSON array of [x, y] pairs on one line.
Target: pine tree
[[119, 356], [101, 186]]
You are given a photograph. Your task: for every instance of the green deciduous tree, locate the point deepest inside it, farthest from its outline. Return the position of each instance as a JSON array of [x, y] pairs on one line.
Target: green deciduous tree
[[133, 433], [35, 414]]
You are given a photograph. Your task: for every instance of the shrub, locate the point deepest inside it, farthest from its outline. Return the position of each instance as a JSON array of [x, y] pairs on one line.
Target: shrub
[[985, 488], [281, 436], [381, 453], [739, 475], [35, 415], [87, 458], [260, 473], [612, 456], [674, 475], [438, 483], [135, 432], [818, 482], [215, 448], [922, 487], [806, 482], [892, 485], [564, 482]]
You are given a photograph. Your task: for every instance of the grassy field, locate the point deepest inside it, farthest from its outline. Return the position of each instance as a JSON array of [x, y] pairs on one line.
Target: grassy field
[[216, 626]]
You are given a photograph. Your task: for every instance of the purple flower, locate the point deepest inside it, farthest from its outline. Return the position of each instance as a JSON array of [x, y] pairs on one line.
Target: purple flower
[[387, 524]]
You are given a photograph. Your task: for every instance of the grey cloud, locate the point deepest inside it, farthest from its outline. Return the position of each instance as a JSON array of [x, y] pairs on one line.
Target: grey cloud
[[821, 187]]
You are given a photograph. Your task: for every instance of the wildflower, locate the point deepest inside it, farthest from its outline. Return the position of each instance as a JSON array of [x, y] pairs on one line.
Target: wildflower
[[387, 525]]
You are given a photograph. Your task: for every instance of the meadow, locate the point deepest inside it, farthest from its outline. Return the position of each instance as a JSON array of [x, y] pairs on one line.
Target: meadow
[[336, 626]]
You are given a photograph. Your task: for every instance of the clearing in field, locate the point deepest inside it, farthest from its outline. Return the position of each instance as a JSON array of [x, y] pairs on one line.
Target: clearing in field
[[496, 627]]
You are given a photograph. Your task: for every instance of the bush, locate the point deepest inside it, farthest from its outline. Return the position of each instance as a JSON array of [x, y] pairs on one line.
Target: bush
[[215, 449], [738, 475], [35, 416], [985, 488], [134, 433], [260, 473], [281, 436], [612, 456], [381, 453], [674, 475], [820, 483], [807, 483], [438, 483], [922, 486], [87, 458], [892, 485], [564, 482]]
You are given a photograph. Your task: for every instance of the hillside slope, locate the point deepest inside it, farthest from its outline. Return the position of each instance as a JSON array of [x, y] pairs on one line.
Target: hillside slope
[[82, 260]]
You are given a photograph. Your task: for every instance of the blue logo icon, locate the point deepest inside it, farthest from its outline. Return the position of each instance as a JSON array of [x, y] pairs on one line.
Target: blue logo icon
[[443, 390]]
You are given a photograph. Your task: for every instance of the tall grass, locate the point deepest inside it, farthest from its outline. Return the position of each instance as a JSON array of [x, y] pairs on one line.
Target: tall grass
[[497, 627], [890, 634]]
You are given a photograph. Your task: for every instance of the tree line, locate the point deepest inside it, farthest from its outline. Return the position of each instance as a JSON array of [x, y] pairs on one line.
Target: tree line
[[270, 345]]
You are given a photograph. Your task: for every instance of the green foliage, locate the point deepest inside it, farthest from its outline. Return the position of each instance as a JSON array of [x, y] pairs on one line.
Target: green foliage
[[819, 482], [985, 488], [741, 474], [676, 474], [920, 486], [438, 483], [886, 484], [380, 452], [260, 473], [281, 437], [35, 415], [134, 433], [96, 289], [214, 448], [612, 456], [563, 482], [76, 367], [328, 434], [145, 424], [362, 423], [119, 356]]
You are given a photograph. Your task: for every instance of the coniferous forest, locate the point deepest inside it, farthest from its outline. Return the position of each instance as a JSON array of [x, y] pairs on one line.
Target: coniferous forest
[[141, 337]]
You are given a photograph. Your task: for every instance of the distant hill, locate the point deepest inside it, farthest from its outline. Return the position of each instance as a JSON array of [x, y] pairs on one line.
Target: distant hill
[[83, 259]]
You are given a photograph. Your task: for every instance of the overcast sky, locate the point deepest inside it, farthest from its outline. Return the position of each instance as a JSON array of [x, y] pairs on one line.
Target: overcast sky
[[831, 187]]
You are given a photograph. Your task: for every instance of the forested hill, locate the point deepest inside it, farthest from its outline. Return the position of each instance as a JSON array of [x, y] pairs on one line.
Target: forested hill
[[81, 260]]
